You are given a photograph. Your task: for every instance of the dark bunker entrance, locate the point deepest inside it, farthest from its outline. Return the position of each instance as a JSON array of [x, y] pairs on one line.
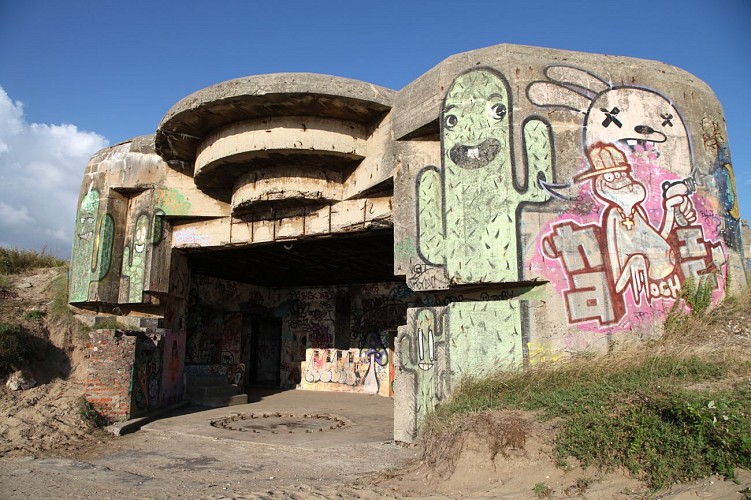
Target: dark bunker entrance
[[313, 314]]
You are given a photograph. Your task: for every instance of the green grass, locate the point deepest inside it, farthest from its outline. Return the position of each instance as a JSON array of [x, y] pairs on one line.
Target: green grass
[[541, 490], [33, 315], [13, 261], [59, 311], [633, 412]]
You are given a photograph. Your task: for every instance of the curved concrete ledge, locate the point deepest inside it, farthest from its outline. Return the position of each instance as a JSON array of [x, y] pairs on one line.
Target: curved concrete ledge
[[189, 121], [245, 139], [285, 186], [233, 167]]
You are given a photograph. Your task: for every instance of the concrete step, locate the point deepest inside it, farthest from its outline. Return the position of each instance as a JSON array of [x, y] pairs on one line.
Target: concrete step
[[215, 395], [218, 401]]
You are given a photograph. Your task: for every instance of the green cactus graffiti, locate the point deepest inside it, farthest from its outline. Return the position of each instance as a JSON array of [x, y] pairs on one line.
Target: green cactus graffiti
[[483, 337], [446, 344], [92, 250], [421, 358], [134, 262], [467, 210]]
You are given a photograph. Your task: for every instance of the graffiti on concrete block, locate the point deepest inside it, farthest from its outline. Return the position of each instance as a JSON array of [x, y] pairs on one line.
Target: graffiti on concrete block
[[724, 179], [92, 246], [147, 374], [443, 345], [627, 116], [236, 373], [189, 237], [353, 370], [467, 210], [134, 260], [423, 356], [172, 363], [638, 226]]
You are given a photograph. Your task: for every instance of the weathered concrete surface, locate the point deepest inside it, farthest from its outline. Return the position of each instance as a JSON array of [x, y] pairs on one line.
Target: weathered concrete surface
[[369, 419], [282, 94], [566, 197], [183, 456]]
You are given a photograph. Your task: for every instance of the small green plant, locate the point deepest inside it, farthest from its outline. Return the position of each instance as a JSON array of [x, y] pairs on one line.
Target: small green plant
[[90, 415], [583, 484], [541, 490], [697, 297], [5, 281], [33, 315]]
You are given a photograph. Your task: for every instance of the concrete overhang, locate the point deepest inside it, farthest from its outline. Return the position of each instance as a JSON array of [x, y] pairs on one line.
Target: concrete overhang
[[191, 120], [363, 257]]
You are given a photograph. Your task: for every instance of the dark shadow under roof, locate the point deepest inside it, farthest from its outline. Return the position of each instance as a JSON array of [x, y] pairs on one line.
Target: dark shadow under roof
[[366, 257]]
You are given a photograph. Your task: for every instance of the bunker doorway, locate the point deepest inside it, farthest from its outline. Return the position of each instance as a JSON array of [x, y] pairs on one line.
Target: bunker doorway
[[302, 302], [263, 346]]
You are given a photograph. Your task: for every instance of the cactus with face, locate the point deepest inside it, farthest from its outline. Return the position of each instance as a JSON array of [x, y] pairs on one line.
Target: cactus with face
[[134, 263], [467, 210], [92, 250], [421, 358]]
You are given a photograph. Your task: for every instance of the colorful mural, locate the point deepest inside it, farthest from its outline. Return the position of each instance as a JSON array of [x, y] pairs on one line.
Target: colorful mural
[[638, 225], [172, 367], [443, 345], [467, 209], [352, 370], [92, 246]]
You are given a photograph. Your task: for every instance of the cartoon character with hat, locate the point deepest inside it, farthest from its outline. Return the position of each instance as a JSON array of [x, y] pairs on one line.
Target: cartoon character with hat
[[639, 253]]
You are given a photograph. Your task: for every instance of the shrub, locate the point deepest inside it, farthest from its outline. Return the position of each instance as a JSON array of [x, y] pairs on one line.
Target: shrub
[[90, 415], [33, 315], [13, 261]]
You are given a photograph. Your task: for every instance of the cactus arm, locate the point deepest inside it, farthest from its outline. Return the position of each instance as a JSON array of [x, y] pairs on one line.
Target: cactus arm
[[430, 235], [106, 235], [405, 354], [539, 157]]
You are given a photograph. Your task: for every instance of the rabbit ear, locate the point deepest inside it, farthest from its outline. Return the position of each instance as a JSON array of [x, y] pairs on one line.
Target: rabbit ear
[[548, 94], [568, 76]]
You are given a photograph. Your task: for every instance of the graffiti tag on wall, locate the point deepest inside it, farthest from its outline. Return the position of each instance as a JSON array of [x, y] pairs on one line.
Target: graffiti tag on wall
[[638, 227], [467, 210], [92, 246]]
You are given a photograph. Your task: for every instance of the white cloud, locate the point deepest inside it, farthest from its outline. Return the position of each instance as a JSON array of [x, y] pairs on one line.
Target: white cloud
[[41, 168], [10, 216]]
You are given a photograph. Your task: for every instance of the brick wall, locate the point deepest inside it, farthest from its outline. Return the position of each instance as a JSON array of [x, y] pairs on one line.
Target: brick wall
[[108, 376]]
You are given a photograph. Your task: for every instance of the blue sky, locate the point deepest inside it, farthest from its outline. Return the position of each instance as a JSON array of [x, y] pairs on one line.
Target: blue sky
[[78, 75]]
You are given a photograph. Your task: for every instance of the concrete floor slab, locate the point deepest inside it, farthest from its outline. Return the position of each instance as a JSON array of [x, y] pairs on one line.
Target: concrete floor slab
[[366, 419]]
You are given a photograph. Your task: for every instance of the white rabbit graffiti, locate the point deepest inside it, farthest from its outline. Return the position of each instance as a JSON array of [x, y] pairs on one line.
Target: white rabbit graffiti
[[620, 124]]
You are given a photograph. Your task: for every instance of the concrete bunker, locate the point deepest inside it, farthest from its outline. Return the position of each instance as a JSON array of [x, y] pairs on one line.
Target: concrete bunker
[[512, 206]]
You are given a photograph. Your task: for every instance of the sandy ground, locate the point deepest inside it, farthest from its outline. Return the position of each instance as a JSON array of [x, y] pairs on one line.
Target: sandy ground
[[157, 462], [47, 451]]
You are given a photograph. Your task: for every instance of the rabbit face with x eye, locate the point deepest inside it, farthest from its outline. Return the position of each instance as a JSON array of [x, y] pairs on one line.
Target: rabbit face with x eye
[[640, 120], [629, 117]]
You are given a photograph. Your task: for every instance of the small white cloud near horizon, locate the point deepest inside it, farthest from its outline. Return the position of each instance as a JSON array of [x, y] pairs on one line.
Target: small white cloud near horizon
[[41, 167]]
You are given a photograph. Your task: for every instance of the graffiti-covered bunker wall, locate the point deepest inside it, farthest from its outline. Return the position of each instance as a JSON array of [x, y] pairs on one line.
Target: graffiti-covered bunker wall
[[511, 206]]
